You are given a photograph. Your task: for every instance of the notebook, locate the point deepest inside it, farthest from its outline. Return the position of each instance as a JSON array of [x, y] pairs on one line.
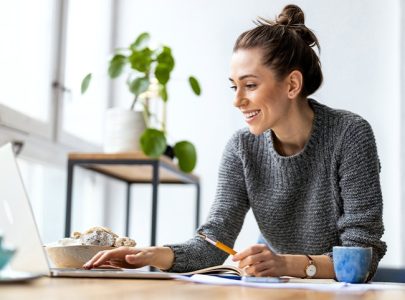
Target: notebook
[[17, 224], [219, 270]]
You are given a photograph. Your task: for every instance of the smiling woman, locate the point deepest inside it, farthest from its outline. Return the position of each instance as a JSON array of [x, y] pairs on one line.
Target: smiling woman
[[310, 173]]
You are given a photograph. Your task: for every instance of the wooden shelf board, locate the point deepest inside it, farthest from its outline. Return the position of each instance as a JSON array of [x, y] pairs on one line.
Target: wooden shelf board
[[133, 173]]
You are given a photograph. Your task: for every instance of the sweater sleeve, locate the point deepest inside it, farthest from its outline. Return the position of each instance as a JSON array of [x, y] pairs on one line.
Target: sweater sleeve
[[225, 218], [360, 222]]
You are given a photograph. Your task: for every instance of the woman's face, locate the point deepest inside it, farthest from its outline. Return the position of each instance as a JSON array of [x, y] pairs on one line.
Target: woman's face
[[261, 98]]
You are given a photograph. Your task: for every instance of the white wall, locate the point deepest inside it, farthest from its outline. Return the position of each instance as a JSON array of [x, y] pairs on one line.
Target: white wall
[[360, 43], [402, 111]]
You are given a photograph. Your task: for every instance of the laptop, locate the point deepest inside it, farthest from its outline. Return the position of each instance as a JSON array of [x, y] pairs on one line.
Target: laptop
[[17, 224]]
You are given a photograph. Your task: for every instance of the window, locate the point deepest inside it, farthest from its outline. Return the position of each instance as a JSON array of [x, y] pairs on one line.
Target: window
[[26, 61], [51, 46], [88, 47]]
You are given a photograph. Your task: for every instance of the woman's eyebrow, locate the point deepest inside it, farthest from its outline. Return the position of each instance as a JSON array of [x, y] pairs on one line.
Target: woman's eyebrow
[[244, 77]]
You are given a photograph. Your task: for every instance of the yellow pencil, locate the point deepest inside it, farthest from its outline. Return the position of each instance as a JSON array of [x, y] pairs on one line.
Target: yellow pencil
[[217, 244]]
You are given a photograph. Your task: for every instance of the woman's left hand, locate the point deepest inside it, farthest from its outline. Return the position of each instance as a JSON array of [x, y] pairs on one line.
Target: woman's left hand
[[259, 260]]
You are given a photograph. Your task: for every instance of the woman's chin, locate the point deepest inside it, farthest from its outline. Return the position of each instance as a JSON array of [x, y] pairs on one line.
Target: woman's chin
[[256, 131]]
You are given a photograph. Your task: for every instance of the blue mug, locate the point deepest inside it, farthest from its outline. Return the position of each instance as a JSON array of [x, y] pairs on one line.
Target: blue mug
[[352, 264]]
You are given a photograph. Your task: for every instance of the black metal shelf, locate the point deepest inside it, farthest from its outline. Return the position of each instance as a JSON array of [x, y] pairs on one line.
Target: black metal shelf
[[126, 167]]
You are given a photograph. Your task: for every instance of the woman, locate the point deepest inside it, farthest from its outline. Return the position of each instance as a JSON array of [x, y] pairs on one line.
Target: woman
[[309, 173]]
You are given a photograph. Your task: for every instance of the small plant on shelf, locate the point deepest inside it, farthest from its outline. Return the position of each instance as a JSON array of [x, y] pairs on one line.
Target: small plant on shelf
[[148, 72]]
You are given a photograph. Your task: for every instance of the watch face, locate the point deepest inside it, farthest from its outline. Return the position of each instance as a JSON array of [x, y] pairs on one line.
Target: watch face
[[311, 270]]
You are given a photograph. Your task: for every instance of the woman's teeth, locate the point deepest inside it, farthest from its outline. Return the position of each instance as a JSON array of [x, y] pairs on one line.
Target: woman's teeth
[[251, 114]]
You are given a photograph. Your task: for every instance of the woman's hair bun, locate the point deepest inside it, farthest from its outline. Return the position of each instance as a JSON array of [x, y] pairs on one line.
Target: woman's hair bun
[[291, 15]]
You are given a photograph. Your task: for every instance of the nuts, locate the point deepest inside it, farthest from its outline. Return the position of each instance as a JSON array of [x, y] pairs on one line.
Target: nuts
[[124, 241], [76, 235], [99, 236]]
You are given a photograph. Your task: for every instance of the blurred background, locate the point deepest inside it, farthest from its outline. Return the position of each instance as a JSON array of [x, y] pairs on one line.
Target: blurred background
[[47, 46]]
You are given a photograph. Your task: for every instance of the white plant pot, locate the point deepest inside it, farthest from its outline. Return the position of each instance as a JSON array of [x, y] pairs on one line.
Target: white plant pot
[[123, 129]]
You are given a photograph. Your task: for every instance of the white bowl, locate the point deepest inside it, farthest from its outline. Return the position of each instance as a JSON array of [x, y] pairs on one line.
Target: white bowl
[[72, 256]]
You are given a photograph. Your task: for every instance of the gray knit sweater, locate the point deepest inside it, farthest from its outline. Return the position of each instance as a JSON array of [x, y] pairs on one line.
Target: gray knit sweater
[[328, 194]]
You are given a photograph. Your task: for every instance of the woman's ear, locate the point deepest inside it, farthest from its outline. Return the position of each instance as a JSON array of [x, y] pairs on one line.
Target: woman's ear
[[295, 82]]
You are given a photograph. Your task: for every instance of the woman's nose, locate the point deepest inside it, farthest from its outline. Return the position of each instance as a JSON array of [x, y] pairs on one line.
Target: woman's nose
[[239, 100]]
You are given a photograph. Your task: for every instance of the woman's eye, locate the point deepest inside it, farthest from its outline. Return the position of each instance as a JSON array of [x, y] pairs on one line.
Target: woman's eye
[[248, 86]]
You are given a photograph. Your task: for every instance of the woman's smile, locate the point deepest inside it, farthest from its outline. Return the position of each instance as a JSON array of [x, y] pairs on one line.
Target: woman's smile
[[251, 115]]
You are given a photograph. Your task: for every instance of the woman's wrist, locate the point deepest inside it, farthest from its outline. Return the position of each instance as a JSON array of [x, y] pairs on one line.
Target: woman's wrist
[[162, 257], [295, 266]]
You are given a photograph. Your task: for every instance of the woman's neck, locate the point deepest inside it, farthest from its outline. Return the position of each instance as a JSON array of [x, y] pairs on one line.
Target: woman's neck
[[292, 136]]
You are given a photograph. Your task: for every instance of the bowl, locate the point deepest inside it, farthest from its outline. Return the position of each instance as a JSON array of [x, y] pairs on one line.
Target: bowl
[[74, 256], [5, 256]]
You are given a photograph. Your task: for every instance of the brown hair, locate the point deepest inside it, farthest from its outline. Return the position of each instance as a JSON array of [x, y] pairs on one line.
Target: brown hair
[[287, 44]]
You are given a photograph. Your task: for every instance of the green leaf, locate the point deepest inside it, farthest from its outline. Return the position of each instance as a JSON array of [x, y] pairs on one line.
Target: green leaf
[[163, 93], [162, 73], [141, 60], [143, 38], [165, 57], [153, 142], [194, 85], [117, 64], [139, 85], [186, 154], [85, 83]]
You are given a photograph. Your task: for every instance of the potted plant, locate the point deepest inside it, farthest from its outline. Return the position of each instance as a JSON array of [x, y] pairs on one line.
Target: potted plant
[[148, 74]]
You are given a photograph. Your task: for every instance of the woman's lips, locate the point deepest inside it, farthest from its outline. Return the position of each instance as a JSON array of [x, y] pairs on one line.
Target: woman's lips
[[250, 116]]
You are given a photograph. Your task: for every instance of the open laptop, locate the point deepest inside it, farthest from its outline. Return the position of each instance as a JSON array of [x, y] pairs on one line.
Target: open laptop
[[17, 224]]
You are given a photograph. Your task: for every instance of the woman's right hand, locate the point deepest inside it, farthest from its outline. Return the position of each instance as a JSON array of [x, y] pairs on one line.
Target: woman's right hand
[[130, 257]]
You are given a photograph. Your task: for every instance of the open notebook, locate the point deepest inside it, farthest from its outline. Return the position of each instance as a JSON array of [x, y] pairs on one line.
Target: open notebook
[[219, 270]]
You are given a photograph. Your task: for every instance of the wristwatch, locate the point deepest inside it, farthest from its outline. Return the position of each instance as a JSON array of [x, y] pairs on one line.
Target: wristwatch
[[310, 269]]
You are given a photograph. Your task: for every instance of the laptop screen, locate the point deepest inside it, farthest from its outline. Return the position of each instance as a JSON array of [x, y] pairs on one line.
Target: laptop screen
[[17, 223]]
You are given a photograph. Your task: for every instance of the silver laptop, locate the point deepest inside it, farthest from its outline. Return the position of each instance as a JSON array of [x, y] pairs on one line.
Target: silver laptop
[[18, 226]]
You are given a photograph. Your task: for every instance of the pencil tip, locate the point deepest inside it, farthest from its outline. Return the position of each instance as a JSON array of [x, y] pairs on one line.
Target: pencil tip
[[200, 234]]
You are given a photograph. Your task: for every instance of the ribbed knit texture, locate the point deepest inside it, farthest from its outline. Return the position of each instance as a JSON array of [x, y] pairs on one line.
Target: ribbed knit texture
[[328, 194]]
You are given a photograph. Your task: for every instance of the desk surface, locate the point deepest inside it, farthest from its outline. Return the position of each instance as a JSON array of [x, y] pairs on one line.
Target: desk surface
[[81, 288], [168, 170]]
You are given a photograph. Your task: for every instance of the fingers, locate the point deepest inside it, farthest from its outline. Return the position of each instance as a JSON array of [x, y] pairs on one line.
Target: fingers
[[253, 259], [89, 264], [252, 250], [120, 263], [264, 268], [103, 257], [257, 260]]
